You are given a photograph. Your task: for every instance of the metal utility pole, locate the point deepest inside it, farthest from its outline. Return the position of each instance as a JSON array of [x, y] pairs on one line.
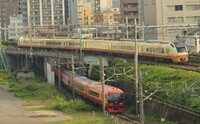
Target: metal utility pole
[[198, 41], [126, 27], [68, 28], [136, 66], [30, 34], [5, 33], [102, 81], [73, 77], [81, 55], [96, 31], [59, 76], [141, 99], [143, 31]]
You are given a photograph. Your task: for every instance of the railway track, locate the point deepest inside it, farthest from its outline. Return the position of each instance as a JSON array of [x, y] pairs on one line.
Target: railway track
[[127, 119], [182, 66]]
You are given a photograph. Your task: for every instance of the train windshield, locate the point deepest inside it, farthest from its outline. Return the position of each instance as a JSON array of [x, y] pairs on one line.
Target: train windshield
[[181, 49], [115, 98]]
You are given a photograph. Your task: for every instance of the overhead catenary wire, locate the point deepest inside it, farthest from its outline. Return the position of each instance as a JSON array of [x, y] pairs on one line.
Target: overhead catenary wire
[[171, 102], [176, 107]]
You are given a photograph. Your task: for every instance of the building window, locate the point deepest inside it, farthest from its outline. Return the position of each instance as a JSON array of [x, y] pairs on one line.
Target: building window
[[193, 19], [178, 7], [193, 7], [174, 31], [175, 19], [175, 7]]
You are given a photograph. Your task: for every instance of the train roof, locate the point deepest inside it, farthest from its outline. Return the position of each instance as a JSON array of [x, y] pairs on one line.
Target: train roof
[[96, 84], [91, 83], [122, 42]]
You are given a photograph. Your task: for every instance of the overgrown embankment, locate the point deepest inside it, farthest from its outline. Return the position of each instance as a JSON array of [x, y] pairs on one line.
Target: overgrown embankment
[[175, 89], [36, 92]]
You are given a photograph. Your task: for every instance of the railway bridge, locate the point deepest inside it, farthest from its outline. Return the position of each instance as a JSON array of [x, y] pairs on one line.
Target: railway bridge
[[21, 60]]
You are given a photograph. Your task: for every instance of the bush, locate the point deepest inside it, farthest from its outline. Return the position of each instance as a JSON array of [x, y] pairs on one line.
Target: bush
[[73, 105], [10, 43], [132, 110], [16, 87], [32, 87]]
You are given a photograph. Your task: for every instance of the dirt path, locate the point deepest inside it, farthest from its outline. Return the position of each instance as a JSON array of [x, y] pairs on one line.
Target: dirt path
[[12, 111]]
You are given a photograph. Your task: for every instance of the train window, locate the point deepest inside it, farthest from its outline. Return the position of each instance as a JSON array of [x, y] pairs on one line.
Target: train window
[[167, 51], [53, 43], [115, 96], [93, 93], [66, 81], [132, 48], [79, 87], [151, 49], [154, 50], [160, 50], [172, 45], [181, 49], [113, 46], [147, 49]]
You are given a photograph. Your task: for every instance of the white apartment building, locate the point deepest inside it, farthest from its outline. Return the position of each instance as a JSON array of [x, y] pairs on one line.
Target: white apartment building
[[15, 29], [75, 10], [97, 6], [170, 12], [44, 13]]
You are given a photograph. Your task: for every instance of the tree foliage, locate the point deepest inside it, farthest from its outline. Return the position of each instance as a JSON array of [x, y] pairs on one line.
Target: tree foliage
[[160, 77]]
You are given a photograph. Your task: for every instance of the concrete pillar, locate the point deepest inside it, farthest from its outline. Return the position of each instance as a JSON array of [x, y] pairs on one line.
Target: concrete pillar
[[18, 63], [45, 67], [21, 63]]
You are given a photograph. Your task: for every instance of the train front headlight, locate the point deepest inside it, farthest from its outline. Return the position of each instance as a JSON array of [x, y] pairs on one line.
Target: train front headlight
[[182, 58]]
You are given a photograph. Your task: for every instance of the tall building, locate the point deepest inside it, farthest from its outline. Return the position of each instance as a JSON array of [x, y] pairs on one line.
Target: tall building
[[105, 5], [75, 10], [15, 27], [97, 7], [129, 12], [87, 16], [115, 3], [170, 12], [45, 13], [8, 8]]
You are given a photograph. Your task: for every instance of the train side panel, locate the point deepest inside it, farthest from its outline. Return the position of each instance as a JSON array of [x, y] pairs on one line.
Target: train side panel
[[156, 50]]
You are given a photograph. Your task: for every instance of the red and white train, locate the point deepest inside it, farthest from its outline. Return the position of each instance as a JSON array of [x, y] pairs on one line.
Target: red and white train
[[92, 90]]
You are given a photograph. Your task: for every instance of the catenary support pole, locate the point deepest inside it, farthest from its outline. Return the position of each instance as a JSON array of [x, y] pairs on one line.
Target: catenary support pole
[[68, 28], [136, 67], [127, 27], [73, 77], [59, 76], [141, 99], [102, 81]]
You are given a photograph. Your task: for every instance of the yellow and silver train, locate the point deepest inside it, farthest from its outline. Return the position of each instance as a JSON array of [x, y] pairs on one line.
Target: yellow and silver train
[[169, 50]]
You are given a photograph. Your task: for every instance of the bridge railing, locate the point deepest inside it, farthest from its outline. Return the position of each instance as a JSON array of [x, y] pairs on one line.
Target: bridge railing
[[42, 53]]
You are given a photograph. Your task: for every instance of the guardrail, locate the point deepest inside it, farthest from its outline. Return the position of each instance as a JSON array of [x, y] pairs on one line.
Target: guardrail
[[42, 53]]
